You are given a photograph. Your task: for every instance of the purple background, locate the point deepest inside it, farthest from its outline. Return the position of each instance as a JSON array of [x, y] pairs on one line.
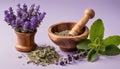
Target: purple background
[[60, 11]]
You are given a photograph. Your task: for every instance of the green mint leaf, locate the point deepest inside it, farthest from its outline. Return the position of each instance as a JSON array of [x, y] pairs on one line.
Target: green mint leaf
[[83, 44], [92, 55], [97, 40], [95, 44], [112, 40], [111, 50], [97, 30], [102, 48]]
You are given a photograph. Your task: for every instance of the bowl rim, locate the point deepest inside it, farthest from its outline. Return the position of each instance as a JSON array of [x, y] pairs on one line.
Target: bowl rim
[[57, 36]]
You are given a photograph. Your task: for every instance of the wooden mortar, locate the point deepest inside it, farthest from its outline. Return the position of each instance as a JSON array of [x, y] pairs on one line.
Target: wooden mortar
[[88, 14]]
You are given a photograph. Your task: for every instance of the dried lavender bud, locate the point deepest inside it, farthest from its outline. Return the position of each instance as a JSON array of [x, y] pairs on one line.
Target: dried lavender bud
[[70, 58], [62, 63], [83, 53], [66, 60], [75, 56]]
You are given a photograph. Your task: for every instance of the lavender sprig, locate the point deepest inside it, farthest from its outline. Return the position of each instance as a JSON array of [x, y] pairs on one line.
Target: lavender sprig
[[26, 19], [72, 58]]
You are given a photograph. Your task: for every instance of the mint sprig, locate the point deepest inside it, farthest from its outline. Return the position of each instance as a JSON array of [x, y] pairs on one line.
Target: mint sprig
[[97, 45], [97, 30]]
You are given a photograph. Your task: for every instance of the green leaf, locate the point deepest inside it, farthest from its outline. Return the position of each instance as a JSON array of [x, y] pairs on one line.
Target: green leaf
[[111, 50], [83, 44], [92, 55], [112, 40], [102, 48], [95, 44], [97, 30], [97, 40]]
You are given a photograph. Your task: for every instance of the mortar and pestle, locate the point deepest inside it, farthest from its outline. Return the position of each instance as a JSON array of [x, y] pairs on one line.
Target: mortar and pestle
[[68, 43]]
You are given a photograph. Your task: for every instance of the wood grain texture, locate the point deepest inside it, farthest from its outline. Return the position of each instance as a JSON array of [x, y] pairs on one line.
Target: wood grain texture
[[88, 14], [25, 42], [66, 43]]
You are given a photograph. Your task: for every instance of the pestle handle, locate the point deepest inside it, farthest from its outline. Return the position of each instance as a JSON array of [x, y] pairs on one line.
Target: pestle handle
[[88, 14]]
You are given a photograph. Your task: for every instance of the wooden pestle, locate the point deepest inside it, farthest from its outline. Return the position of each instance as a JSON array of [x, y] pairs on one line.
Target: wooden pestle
[[88, 14]]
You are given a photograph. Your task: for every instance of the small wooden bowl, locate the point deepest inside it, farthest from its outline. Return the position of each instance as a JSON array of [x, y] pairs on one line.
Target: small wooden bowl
[[66, 43]]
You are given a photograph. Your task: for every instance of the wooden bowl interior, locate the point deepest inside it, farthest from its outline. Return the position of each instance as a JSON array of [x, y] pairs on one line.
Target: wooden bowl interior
[[62, 26]]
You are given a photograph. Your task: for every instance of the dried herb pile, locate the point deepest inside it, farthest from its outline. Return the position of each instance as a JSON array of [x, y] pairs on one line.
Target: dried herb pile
[[63, 33], [43, 56]]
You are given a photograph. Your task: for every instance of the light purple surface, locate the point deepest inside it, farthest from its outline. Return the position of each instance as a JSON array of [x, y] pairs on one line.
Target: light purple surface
[[60, 11]]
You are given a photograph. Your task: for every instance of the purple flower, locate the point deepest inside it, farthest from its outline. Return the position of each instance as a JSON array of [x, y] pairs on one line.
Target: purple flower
[[6, 12], [25, 8], [13, 24], [7, 20], [19, 13], [37, 8], [41, 16], [25, 19], [11, 10], [76, 56], [19, 21], [70, 58], [18, 5], [62, 63], [26, 25], [31, 9], [34, 22]]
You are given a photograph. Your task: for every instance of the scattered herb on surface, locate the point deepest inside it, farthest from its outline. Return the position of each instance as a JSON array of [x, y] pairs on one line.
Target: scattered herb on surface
[[97, 45], [44, 56], [71, 58], [20, 57]]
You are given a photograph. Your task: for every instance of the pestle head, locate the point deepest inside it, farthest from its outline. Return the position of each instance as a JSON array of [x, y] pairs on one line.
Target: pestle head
[[90, 12]]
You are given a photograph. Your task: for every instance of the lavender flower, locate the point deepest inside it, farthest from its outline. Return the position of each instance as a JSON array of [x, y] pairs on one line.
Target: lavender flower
[[26, 19], [34, 22], [19, 21], [26, 25], [30, 12], [18, 5], [41, 16], [11, 10], [25, 8], [13, 24]]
